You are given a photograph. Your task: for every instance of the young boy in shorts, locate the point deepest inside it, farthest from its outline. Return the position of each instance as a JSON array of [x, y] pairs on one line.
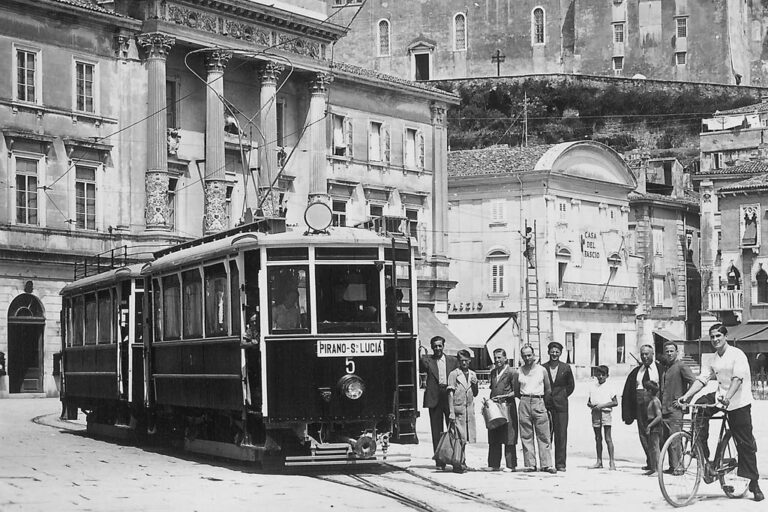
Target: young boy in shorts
[[653, 430], [601, 400]]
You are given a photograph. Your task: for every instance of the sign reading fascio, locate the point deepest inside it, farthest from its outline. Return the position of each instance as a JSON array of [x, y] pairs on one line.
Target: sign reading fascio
[[589, 245]]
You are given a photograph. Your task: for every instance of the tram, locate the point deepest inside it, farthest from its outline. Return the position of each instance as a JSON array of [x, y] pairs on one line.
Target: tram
[[259, 344]]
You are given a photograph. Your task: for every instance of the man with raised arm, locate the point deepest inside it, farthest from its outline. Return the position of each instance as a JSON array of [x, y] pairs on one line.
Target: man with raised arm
[[734, 391]]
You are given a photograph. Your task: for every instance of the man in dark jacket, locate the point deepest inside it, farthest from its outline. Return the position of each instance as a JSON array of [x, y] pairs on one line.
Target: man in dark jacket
[[437, 367], [562, 383], [675, 382], [635, 399]]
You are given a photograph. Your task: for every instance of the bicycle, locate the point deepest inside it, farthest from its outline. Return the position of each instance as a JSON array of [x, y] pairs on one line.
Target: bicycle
[[680, 484]]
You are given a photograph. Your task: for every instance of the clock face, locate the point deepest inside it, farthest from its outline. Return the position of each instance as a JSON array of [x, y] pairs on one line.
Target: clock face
[[318, 216]]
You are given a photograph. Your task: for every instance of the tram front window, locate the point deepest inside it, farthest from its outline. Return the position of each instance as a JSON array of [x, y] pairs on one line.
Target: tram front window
[[288, 299], [348, 299]]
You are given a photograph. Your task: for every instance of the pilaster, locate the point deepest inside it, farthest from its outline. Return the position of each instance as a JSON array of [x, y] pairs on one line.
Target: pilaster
[[439, 178], [316, 128]]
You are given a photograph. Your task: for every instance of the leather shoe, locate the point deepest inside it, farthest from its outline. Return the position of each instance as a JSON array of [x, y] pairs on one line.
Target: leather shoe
[[550, 470], [645, 468], [561, 468], [757, 493]]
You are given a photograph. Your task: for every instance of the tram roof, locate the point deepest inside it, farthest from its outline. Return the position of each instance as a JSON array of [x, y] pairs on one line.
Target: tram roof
[[336, 236], [104, 279]]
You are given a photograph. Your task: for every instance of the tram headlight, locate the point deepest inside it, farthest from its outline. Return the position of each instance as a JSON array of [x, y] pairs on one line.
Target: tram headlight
[[352, 386]]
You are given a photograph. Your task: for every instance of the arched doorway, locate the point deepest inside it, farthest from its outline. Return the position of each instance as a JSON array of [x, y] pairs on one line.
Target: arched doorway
[[26, 325]]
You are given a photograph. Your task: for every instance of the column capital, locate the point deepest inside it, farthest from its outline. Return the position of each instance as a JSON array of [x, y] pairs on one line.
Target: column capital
[[270, 71], [438, 113], [319, 83], [156, 44], [216, 60]]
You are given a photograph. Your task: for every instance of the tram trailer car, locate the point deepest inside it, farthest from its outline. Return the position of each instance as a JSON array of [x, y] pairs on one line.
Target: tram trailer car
[[287, 348]]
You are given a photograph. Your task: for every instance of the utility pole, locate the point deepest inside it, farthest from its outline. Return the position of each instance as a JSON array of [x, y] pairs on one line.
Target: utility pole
[[498, 59], [525, 119]]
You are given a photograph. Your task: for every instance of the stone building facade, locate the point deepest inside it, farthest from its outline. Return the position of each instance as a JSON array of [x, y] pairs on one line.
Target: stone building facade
[[665, 235], [145, 123], [575, 197], [719, 41]]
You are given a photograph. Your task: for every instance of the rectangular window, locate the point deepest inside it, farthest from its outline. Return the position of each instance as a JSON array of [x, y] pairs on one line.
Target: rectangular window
[[413, 222], [234, 296], [618, 65], [618, 32], [497, 279], [172, 184], [717, 160], [570, 347], [84, 87], [216, 301], [339, 209], [682, 27], [26, 191], [348, 299], [376, 211], [658, 291], [91, 318], [192, 303], [498, 211], [280, 115], [409, 158], [561, 268], [374, 142], [658, 241], [85, 197], [171, 104], [421, 66], [171, 319], [105, 317], [563, 209], [288, 298], [632, 240], [594, 352], [26, 75], [340, 137], [621, 348], [78, 314], [680, 58]]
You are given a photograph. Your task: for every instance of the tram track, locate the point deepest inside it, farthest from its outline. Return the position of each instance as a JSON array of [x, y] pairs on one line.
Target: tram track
[[416, 491]]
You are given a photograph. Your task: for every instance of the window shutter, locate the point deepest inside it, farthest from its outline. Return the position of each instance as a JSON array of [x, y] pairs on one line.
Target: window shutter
[[386, 144], [420, 152], [405, 147], [348, 134]]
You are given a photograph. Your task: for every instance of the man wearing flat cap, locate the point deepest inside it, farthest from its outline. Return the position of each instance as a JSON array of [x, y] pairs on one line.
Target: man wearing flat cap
[[562, 384]]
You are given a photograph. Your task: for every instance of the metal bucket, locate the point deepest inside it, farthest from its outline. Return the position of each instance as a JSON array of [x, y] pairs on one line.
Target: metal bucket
[[493, 415]]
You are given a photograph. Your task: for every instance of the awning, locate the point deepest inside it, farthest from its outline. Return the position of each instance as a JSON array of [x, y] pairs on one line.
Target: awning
[[476, 331], [430, 326], [751, 337], [668, 335], [507, 336]]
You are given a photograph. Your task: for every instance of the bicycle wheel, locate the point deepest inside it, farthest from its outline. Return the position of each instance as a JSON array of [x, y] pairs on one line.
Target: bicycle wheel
[[726, 465], [680, 485]]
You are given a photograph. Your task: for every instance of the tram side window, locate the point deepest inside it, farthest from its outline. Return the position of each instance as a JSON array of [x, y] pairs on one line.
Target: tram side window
[[192, 302], [91, 319], [105, 317], [157, 305], [234, 293], [78, 314], [348, 298], [171, 308], [216, 301], [397, 295], [289, 311], [252, 261]]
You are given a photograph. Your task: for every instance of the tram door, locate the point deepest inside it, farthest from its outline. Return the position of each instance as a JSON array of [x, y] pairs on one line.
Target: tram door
[[252, 315]]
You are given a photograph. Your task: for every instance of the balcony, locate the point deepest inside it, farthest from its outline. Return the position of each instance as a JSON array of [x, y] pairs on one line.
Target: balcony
[[726, 300], [588, 295]]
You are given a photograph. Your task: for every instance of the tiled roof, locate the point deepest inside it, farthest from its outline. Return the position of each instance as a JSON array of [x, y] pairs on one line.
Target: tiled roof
[[89, 5], [689, 199], [495, 160], [754, 167], [753, 183], [759, 108], [370, 73]]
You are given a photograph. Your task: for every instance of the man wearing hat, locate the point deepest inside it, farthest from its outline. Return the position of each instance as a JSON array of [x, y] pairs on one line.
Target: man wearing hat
[[562, 384]]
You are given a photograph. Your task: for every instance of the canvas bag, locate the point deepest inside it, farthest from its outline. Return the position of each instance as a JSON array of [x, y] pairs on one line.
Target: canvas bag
[[450, 448]]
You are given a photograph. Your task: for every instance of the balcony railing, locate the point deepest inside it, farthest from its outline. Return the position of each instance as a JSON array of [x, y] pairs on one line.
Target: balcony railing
[[726, 300], [592, 295]]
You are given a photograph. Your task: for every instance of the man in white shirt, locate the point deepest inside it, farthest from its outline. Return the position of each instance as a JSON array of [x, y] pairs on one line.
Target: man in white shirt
[[534, 421], [734, 391]]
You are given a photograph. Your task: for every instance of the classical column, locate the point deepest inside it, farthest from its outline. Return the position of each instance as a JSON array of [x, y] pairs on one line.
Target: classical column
[[215, 216], [318, 176], [439, 178], [157, 46], [269, 170]]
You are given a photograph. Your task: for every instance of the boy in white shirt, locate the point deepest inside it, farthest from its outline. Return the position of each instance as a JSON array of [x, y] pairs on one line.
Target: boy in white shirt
[[601, 400]]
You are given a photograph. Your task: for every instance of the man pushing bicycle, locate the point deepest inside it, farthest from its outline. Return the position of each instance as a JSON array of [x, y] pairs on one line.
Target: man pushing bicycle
[[731, 368]]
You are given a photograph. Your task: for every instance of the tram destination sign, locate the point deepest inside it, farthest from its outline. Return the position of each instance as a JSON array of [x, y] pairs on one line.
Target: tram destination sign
[[350, 348]]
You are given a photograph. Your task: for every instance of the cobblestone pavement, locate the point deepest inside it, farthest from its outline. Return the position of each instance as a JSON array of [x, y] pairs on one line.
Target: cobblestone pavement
[[54, 466]]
